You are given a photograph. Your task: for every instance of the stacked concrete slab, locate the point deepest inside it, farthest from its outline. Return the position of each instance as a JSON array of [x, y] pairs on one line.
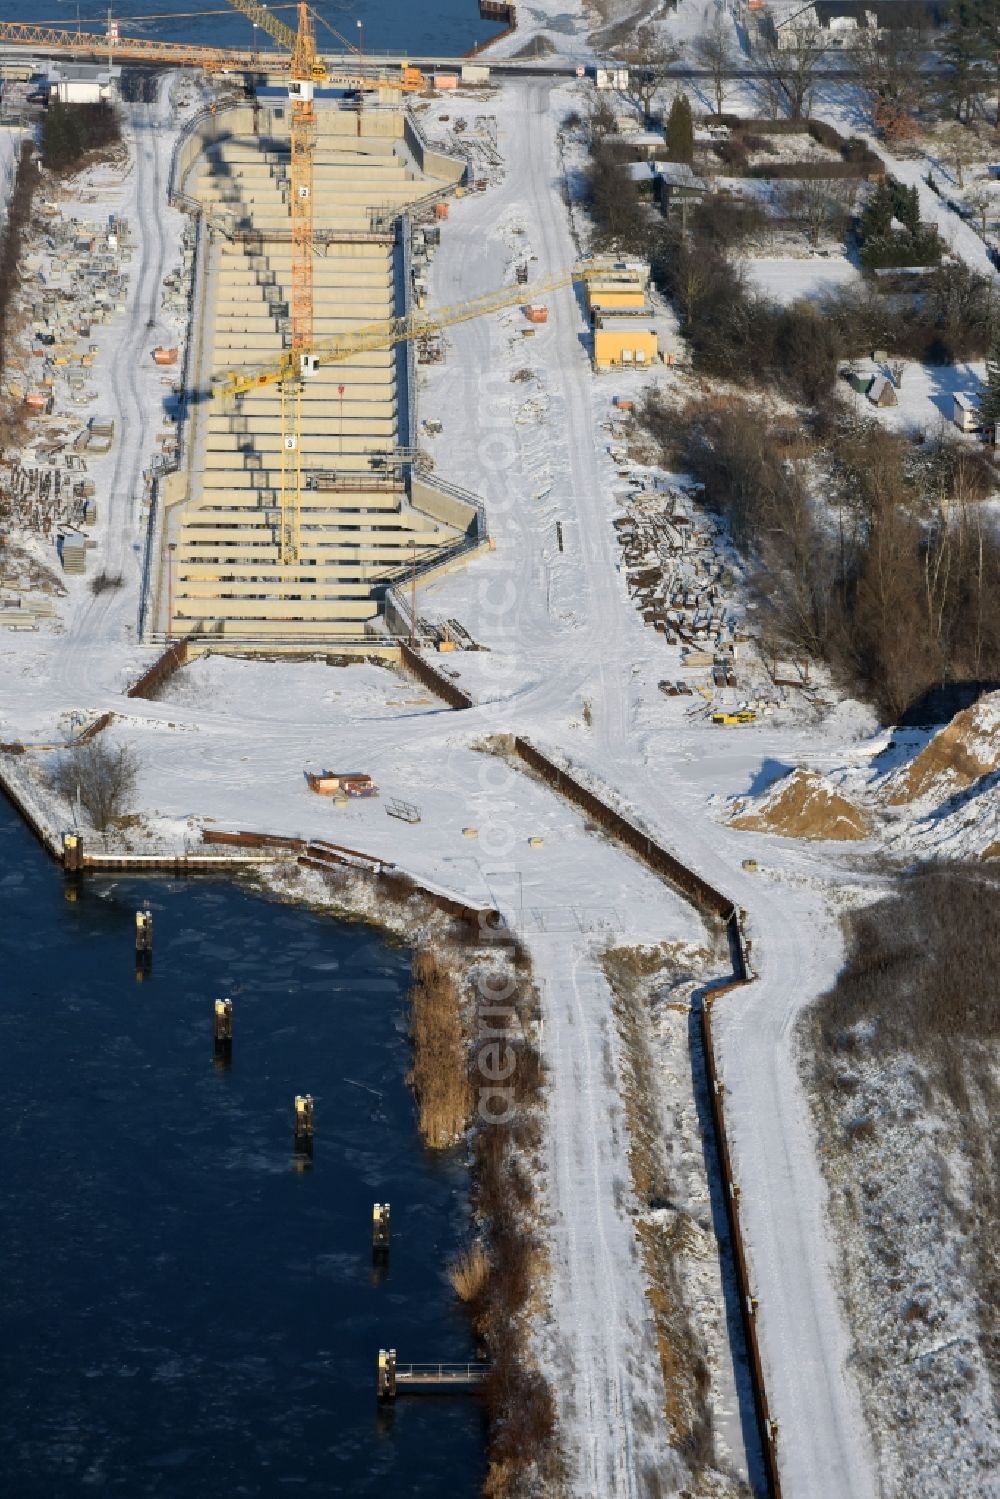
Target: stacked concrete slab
[[356, 523]]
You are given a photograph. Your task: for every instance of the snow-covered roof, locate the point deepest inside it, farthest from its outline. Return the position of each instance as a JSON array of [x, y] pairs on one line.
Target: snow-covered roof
[[638, 138], [678, 174], [624, 325], [882, 388]]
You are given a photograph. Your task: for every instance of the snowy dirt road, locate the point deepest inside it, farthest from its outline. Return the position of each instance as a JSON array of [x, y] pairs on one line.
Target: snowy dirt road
[[569, 636]]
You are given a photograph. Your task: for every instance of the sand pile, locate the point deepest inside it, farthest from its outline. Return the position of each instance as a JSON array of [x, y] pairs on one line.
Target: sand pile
[[804, 805], [957, 756]]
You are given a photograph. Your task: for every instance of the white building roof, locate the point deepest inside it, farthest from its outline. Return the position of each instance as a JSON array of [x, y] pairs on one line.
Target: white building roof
[[624, 325]]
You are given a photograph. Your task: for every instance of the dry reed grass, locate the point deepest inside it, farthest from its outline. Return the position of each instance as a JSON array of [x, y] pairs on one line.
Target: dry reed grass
[[470, 1273], [662, 1242], [523, 1449], [439, 1078]]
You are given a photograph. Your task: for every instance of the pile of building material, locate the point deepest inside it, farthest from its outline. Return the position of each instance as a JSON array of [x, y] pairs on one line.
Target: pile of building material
[[73, 552], [100, 434], [450, 635], [681, 576], [477, 143], [18, 612], [679, 583], [425, 240]]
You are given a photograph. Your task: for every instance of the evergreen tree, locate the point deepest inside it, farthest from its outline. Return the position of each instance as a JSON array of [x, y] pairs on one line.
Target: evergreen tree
[[989, 401], [878, 211], [680, 131], [908, 209], [61, 143]]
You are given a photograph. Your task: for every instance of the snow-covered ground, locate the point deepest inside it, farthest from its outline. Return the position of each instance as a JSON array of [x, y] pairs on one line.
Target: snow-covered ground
[[925, 400], [569, 663], [786, 279], [231, 740]]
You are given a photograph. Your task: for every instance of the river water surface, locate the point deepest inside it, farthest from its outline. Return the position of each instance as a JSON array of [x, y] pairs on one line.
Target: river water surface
[[445, 28], [183, 1312]]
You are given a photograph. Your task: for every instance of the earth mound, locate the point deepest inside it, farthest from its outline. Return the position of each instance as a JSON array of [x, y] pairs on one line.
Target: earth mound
[[804, 805], [959, 755]]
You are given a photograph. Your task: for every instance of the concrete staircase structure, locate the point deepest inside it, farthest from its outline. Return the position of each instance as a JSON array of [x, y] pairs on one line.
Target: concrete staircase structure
[[357, 524]]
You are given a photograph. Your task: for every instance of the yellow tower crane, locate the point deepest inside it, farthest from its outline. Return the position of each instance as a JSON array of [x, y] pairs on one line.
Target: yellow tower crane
[[292, 368], [307, 70]]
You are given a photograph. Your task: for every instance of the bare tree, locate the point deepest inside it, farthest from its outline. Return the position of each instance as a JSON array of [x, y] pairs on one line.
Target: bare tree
[[887, 62], [790, 61], [102, 776], [649, 63], [823, 205], [714, 50], [980, 202]]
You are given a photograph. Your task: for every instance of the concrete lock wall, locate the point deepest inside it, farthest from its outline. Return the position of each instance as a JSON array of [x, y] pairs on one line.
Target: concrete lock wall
[[233, 572], [431, 162], [443, 507]]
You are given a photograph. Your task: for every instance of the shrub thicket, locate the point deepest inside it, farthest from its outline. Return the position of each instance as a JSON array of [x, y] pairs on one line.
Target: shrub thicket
[[103, 776], [901, 593], [12, 239], [70, 131], [920, 981]]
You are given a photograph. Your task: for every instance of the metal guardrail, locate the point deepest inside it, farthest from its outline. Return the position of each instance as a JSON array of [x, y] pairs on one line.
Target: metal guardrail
[[406, 255], [458, 492], [440, 1374]]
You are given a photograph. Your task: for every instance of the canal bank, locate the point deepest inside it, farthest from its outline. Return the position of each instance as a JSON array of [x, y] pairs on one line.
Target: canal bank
[[186, 1311]]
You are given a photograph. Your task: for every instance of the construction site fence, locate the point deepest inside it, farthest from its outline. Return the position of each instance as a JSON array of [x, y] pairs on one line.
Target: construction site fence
[[155, 517], [713, 903], [149, 554], [173, 658], [435, 680], [93, 729], [731, 1191]]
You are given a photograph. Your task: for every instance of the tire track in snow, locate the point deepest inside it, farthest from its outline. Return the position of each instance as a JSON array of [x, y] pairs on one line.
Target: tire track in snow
[[598, 1293], [102, 618]]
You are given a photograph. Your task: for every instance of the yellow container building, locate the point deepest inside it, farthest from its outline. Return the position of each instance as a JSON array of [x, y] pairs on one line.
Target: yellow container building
[[622, 343]]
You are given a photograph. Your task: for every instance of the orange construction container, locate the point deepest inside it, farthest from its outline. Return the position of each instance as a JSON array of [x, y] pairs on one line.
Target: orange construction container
[[536, 314], [164, 356], [445, 81], [440, 210], [324, 784]]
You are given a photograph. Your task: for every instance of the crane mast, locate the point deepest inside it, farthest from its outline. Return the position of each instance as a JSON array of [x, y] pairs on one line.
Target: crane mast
[[306, 70]]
